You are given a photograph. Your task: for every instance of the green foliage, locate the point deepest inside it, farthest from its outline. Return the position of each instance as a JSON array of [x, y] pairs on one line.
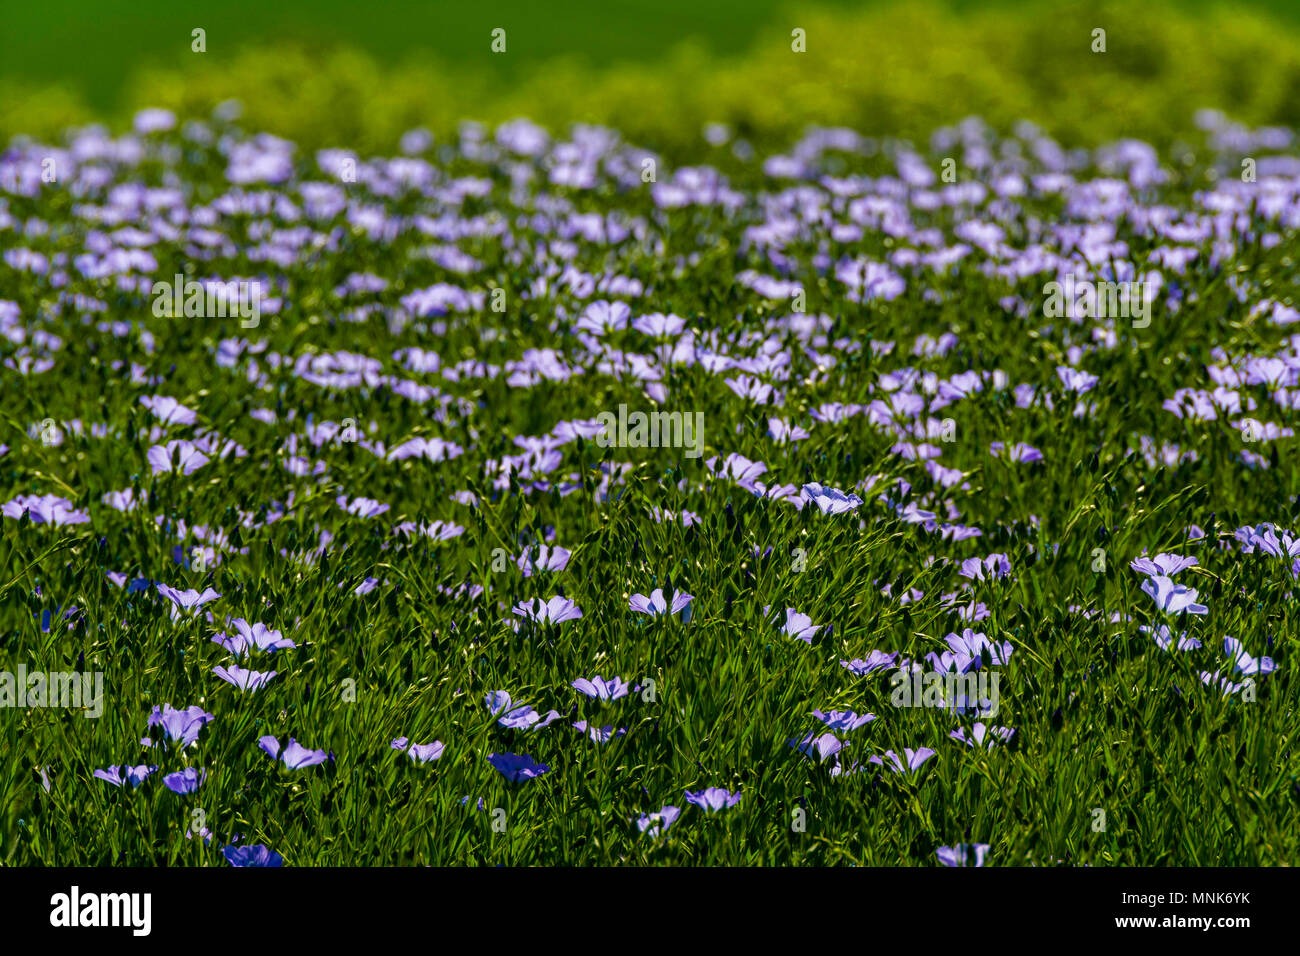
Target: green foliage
[[894, 69]]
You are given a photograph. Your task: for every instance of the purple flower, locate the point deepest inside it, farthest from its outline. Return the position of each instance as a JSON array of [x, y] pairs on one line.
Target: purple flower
[[254, 855], [979, 733], [554, 611], [657, 604], [420, 753], [517, 767], [185, 781], [168, 410], [524, 717], [600, 735], [967, 650], [961, 854], [1019, 452], [123, 501], [602, 689], [782, 431], [1166, 564], [248, 636], [658, 325], [1075, 380], [843, 720], [180, 726], [1243, 663], [124, 774], [1164, 638], [295, 755], [656, 823], [521, 716], [546, 559], [994, 566], [914, 759], [1171, 597], [741, 470], [823, 746], [153, 121], [713, 798], [244, 679], [830, 500], [876, 660], [601, 317], [1267, 539], [186, 600], [800, 625], [45, 509], [361, 507], [187, 456]]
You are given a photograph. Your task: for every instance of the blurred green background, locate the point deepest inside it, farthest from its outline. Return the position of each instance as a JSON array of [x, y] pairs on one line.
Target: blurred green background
[[327, 72]]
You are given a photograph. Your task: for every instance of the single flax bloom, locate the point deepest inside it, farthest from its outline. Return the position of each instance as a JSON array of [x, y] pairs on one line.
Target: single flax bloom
[[518, 717], [361, 507], [419, 753], [800, 626], [978, 569], [656, 604], [963, 854], [545, 558], [1243, 663], [168, 410], [185, 781], [242, 678], [517, 767], [187, 600], [600, 735], [820, 746], [843, 720], [125, 774], [555, 610], [1075, 380], [875, 661], [713, 799], [967, 650], [181, 727], [1164, 638], [294, 755], [1019, 452], [739, 469], [1162, 564], [980, 733], [914, 759], [1171, 597], [248, 637], [255, 854], [1224, 684], [178, 455], [782, 431], [657, 823], [830, 500], [601, 689]]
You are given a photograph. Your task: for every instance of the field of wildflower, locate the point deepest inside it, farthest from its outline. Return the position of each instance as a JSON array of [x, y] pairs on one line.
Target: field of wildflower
[[523, 496]]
